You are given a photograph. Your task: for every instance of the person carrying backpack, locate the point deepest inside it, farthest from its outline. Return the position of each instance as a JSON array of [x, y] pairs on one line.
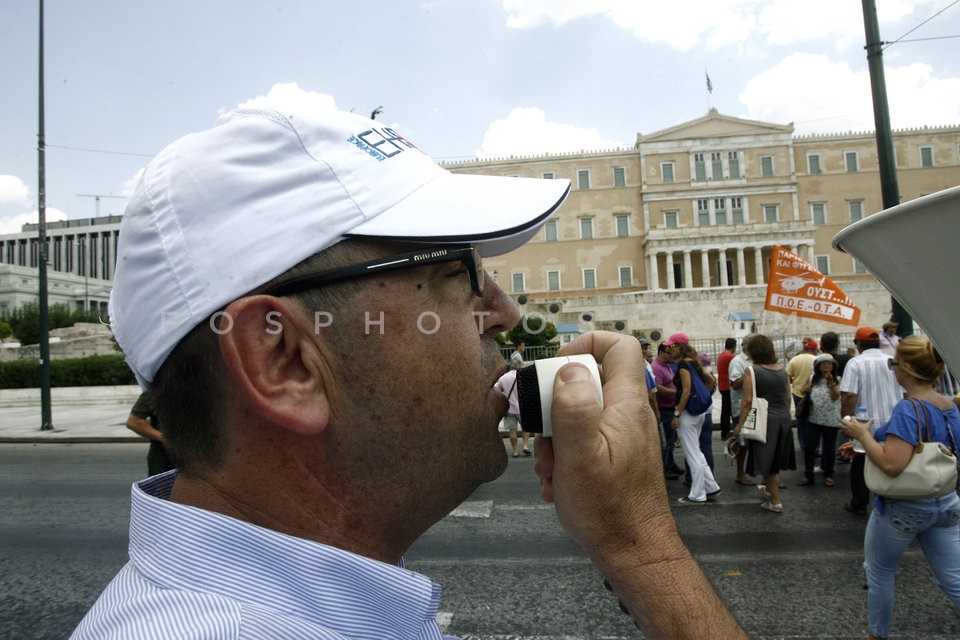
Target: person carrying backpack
[[694, 399]]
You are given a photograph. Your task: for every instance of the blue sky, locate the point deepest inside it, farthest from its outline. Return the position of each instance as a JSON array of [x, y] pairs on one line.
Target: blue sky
[[460, 78]]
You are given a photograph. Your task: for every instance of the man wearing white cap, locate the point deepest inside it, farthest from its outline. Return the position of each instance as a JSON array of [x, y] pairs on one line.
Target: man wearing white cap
[[284, 282]]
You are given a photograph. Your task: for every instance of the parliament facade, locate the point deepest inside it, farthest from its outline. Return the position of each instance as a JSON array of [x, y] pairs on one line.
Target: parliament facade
[[671, 234], [675, 233]]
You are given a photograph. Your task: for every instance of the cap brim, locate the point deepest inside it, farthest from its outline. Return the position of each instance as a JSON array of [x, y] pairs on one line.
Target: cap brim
[[496, 213]]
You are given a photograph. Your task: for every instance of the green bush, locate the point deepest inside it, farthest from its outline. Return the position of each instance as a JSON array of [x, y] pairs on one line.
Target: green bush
[[93, 371], [24, 321]]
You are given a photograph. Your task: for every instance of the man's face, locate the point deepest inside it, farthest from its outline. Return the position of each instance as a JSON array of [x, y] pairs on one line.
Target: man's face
[[647, 354], [415, 391]]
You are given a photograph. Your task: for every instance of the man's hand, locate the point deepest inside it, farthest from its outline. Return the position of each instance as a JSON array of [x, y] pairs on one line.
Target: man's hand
[[603, 471]]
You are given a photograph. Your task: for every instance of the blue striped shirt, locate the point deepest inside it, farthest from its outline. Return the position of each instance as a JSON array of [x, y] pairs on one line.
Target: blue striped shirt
[[199, 574]]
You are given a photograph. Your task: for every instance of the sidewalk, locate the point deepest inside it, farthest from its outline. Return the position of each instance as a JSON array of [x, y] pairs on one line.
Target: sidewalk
[[90, 414], [78, 414]]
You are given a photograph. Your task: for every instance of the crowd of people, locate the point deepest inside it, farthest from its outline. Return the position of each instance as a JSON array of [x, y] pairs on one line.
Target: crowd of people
[[815, 389]]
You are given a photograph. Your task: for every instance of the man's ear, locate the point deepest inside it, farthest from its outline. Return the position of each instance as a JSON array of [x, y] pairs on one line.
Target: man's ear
[[267, 349]]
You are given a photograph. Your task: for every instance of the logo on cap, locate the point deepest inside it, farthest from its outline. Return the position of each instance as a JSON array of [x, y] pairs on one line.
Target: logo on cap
[[372, 139]]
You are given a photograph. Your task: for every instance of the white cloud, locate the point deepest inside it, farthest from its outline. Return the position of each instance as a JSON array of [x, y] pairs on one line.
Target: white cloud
[[717, 23], [821, 95], [13, 190], [526, 131], [284, 94], [14, 223]]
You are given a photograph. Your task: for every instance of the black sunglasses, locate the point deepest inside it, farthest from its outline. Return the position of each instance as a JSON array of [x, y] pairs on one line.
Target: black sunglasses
[[466, 254]]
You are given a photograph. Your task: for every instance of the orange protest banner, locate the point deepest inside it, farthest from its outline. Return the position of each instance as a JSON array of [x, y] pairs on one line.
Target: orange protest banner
[[796, 287]]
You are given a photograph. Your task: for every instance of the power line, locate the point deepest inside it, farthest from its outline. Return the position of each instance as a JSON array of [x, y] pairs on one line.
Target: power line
[[118, 153], [920, 39], [920, 25]]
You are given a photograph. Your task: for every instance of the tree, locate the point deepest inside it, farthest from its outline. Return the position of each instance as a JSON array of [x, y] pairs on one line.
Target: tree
[[533, 330], [5, 330]]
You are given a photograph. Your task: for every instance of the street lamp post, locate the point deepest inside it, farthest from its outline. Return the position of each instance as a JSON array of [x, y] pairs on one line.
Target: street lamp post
[[81, 263]]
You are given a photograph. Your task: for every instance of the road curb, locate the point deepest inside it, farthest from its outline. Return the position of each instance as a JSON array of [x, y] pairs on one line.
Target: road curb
[[70, 440]]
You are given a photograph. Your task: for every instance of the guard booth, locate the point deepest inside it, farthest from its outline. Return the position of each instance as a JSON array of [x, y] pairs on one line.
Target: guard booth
[[567, 331], [742, 323]]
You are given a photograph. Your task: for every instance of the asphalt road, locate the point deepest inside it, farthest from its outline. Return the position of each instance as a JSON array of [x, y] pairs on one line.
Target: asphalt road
[[507, 568]]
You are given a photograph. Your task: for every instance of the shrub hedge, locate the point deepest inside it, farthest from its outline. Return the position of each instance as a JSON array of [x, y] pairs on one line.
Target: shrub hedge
[[92, 371]]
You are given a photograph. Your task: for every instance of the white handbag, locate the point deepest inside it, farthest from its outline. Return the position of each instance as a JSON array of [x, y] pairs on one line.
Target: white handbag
[[931, 472], [755, 424]]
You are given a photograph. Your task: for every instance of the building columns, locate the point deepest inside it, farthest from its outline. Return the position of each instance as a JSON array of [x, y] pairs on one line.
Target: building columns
[[653, 277], [741, 268], [687, 270]]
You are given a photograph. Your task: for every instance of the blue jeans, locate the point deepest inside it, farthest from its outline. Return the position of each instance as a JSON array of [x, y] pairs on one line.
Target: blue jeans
[[669, 440], [935, 523]]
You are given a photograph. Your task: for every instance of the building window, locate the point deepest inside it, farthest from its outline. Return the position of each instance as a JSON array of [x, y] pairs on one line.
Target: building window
[[858, 266], [856, 209], [590, 278], [586, 228], [626, 276], [553, 280], [852, 161], [733, 161], [813, 163], [926, 156], [770, 212], [666, 171], [548, 175], [583, 179], [699, 167], [518, 283], [736, 208], [766, 166], [823, 265], [720, 210], [703, 212], [623, 225], [550, 231], [671, 219], [716, 165], [619, 177], [818, 211]]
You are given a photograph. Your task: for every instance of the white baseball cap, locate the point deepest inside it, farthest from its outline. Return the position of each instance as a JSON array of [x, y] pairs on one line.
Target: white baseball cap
[[218, 213]]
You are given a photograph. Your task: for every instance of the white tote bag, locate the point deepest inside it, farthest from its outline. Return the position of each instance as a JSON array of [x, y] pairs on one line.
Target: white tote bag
[[755, 425]]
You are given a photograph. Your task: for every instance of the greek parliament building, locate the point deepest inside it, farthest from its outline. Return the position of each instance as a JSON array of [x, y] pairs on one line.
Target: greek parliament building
[[675, 233], [671, 234]]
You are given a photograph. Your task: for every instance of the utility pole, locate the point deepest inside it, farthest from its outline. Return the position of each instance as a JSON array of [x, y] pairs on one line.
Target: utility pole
[[46, 419], [889, 188]]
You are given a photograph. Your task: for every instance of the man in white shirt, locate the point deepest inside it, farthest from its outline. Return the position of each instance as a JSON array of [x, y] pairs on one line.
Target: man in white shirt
[[738, 365], [867, 382]]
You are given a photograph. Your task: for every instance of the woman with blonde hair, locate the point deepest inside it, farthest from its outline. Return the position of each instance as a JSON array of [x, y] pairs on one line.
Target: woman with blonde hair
[[934, 522]]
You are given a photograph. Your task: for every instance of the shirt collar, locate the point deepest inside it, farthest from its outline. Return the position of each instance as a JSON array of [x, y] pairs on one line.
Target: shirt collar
[[186, 548]]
